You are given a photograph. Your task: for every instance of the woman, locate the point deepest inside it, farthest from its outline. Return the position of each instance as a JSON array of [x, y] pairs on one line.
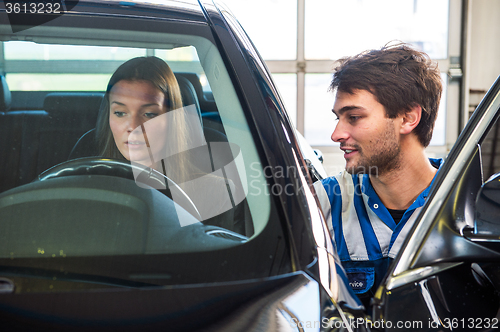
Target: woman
[[140, 90], [142, 120]]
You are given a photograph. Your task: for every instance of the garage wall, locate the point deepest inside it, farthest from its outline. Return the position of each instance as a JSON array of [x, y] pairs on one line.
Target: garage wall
[[484, 44], [484, 68]]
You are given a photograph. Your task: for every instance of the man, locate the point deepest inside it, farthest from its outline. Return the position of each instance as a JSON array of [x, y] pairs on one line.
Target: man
[[386, 104]]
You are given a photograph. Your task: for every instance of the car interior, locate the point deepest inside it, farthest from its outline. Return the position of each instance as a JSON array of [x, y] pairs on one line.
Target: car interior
[[48, 131]]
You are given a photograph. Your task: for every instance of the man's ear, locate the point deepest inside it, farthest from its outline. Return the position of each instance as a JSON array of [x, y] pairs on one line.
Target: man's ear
[[411, 119]]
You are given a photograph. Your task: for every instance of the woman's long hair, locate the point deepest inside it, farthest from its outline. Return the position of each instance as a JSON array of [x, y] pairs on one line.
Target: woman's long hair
[[157, 72]]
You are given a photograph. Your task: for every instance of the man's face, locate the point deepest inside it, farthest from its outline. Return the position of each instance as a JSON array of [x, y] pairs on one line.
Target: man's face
[[368, 138]]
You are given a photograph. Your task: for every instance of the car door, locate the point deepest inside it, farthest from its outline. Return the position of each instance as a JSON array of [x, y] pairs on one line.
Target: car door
[[447, 275]]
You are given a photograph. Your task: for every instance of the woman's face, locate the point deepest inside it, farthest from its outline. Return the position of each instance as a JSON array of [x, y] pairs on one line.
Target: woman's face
[[132, 103]]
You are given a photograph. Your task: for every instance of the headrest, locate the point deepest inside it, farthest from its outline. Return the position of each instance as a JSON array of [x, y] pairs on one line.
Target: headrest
[[188, 94], [73, 105], [5, 96]]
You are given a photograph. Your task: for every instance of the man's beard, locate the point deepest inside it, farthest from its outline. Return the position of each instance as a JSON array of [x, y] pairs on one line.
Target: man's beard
[[385, 157]]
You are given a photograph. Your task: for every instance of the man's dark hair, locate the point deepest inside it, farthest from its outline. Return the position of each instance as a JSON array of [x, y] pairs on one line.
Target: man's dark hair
[[399, 77]]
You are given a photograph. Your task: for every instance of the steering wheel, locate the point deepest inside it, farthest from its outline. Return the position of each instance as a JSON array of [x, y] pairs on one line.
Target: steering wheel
[[144, 176]]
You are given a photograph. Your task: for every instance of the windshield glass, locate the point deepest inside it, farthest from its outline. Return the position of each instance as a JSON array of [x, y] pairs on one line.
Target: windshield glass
[[130, 149]]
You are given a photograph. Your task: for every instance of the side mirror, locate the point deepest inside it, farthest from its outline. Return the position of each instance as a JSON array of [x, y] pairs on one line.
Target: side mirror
[[313, 172], [487, 220], [319, 154]]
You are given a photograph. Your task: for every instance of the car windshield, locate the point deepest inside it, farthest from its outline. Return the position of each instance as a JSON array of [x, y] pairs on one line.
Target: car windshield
[[117, 173]]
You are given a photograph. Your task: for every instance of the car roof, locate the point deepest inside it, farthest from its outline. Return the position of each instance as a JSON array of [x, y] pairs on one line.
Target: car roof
[[155, 3], [188, 6], [184, 10]]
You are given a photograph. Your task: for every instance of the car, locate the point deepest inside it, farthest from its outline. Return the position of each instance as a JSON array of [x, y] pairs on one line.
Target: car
[[92, 242]]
